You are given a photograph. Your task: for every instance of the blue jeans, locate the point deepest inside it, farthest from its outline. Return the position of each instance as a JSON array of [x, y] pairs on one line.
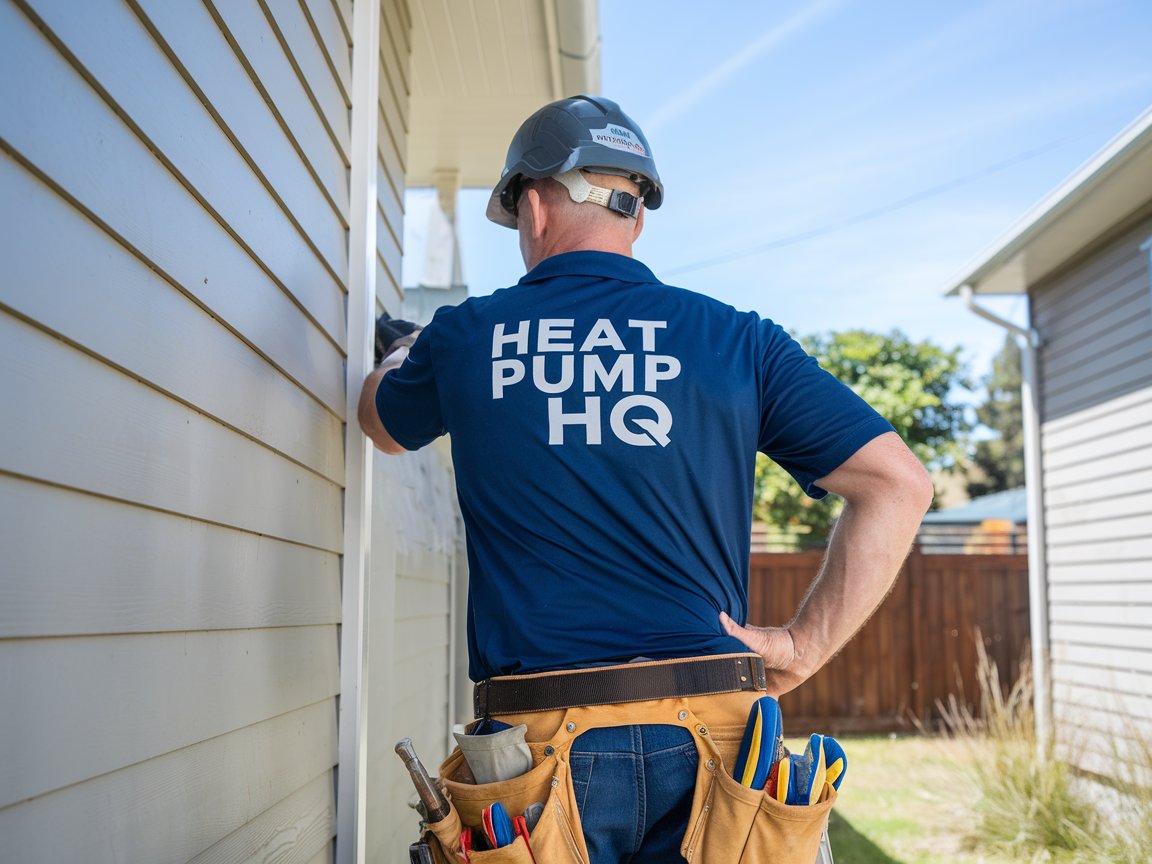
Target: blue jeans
[[633, 787]]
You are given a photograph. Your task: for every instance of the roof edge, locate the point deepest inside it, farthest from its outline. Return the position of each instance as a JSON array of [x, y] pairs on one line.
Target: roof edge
[[1133, 139]]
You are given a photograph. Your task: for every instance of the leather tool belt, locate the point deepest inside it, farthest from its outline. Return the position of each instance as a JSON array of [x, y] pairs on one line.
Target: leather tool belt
[[611, 685]]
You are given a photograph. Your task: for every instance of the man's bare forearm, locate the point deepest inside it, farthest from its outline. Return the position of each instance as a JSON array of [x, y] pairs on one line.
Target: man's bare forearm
[[865, 553], [886, 493], [366, 411]]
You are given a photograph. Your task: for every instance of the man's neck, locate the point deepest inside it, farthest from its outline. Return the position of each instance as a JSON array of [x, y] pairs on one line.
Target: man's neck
[[580, 244]]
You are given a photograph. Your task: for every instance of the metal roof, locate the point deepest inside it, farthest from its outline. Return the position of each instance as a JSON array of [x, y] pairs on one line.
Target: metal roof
[[1112, 186], [1010, 505]]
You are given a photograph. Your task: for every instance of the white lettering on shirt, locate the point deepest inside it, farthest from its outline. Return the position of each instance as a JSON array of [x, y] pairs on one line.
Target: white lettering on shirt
[[623, 370], [519, 338], [657, 368], [505, 373], [552, 329], [563, 383], [602, 335], [609, 365], [649, 329], [589, 419], [655, 430]]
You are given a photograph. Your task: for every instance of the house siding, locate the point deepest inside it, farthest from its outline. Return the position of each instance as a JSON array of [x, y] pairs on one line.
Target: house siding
[[174, 179], [1096, 384], [415, 539]]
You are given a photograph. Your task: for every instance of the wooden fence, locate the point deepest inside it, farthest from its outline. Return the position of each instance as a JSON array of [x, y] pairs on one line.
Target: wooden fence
[[918, 648]]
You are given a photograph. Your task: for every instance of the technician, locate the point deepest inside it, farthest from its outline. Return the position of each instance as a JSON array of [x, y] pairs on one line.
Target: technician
[[604, 430]]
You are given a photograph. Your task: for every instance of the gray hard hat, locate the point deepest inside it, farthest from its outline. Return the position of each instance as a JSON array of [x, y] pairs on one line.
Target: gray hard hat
[[579, 132]]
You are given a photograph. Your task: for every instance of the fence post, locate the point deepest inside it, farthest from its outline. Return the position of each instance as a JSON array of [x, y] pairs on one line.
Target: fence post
[[913, 571]]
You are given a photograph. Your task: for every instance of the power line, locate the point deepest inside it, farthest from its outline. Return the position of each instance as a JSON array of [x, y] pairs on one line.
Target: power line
[[868, 215]]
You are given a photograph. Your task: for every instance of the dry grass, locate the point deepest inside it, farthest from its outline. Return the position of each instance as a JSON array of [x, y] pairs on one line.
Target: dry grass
[[1031, 805], [987, 792]]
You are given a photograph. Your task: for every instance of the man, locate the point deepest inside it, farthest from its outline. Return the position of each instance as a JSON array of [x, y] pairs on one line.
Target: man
[[604, 433]]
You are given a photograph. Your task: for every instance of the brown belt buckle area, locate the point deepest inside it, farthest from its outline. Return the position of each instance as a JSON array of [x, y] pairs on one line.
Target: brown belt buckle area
[[759, 674], [619, 684], [480, 699]]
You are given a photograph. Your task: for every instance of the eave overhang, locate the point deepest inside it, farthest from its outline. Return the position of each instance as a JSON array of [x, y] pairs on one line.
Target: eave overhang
[[1112, 186], [478, 70]]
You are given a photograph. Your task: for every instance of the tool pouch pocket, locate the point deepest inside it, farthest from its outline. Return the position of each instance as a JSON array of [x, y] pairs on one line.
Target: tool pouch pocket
[[731, 823], [444, 838], [556, 838]]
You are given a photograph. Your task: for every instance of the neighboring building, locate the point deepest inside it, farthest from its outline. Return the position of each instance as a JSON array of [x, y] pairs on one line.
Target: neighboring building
[[1082, 258], [218, 609], [988, 525]]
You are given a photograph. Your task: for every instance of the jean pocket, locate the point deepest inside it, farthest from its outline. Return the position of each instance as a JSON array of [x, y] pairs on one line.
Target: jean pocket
[[733, 823], [581, 766], [691, 755]]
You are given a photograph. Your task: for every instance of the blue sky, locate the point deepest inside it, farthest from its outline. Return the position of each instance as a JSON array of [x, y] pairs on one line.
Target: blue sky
[[832, 164]]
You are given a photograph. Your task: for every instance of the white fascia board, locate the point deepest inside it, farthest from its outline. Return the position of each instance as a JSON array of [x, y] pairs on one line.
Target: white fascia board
[[578, 44]]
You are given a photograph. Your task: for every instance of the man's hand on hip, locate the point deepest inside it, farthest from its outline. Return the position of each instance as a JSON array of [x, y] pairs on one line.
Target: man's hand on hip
[[886, 492], [775, 645]]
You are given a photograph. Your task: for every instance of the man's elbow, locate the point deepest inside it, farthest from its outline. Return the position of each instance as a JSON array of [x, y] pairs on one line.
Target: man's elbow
[[389, 446], [371, 426], [916, 486], [904, 481]]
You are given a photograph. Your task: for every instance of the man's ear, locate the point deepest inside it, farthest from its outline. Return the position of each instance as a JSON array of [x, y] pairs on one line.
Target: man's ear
[[535, 211], [639, 224]]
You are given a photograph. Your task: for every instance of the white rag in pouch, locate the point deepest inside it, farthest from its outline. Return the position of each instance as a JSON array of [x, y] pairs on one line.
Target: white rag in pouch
[[499, 756]]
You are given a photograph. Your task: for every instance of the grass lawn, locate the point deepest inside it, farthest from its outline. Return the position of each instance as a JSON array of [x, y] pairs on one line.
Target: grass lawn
[[905, 800]]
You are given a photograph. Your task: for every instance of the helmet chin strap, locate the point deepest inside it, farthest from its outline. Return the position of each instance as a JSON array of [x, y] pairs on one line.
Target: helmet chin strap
[[616, 200]]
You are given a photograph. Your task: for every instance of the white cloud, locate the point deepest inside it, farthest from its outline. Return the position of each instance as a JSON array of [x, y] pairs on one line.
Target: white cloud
[[672, 110]]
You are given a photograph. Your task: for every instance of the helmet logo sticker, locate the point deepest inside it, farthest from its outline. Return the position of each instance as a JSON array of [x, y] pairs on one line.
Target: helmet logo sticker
[[619, 138]]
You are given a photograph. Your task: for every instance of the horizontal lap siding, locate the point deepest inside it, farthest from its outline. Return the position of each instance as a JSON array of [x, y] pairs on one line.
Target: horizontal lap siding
[[1096, 323], [1096, 383], [174, 180], [215, 789], [392, 146]]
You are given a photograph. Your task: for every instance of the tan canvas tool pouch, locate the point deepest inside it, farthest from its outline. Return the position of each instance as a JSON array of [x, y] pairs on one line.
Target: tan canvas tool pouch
[[729, 822]]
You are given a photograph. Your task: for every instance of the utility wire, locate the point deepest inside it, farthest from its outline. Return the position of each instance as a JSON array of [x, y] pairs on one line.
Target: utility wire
[[931, 192]]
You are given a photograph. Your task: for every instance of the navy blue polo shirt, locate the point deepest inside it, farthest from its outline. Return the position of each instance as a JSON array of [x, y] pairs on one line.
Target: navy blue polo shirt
[[604, 430]]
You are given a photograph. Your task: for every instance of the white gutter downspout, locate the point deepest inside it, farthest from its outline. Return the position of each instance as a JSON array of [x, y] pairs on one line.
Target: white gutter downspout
[[1037, 552]]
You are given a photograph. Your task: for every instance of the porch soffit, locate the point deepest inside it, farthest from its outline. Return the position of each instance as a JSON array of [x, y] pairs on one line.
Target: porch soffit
[[480, 68]]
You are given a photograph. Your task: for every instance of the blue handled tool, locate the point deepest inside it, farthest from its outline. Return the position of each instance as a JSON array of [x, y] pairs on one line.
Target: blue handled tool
[[497, 825], [808, 773], [836, 760], [763, 741], [800, 778]]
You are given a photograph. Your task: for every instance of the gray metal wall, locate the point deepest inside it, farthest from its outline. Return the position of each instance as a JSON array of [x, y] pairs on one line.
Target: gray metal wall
[[1096, 385], [174, 191]]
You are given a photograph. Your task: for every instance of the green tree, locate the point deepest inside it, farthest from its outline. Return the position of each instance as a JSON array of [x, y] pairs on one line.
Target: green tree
[[910, 383], [998, 462]]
